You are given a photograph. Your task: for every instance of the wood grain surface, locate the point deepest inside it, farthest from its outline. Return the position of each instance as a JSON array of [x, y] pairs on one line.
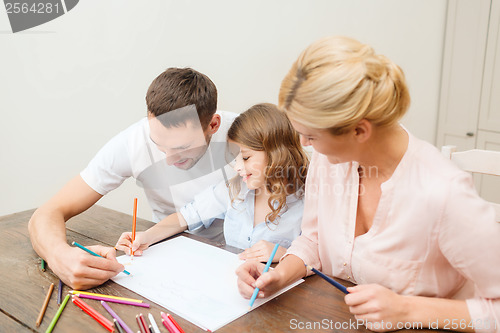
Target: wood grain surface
[[24, 285]]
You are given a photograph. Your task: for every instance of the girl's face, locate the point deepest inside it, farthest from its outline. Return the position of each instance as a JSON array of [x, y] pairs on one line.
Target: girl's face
[[251, 166]]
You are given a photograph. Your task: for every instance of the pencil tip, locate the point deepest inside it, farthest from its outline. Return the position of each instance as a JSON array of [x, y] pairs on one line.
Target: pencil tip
[[249, 308]]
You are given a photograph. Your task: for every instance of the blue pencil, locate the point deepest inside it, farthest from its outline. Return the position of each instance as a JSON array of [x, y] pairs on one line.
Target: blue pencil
[[256, 290], [329, 280], [94, 254]]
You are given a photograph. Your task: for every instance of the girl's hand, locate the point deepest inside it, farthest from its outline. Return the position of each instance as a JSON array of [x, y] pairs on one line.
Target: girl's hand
[[261, 251], [379, 308], [125, 243]]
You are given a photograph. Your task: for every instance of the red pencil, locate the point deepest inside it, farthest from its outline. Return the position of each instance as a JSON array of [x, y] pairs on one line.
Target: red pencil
[[175, 323], [134, 220], [143, 321], [93, 313], [141, 325]]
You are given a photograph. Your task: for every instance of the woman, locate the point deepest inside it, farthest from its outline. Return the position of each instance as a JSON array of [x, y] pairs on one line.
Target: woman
[[383, 209]]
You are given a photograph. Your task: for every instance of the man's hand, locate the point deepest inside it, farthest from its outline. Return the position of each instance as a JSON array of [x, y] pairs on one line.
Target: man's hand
[[81, 270]]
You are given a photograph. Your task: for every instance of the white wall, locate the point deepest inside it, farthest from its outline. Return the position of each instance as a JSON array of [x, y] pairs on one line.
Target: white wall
[[69, 85]]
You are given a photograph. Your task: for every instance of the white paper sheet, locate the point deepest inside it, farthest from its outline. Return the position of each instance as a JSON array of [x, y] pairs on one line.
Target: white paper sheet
[[194, 280]]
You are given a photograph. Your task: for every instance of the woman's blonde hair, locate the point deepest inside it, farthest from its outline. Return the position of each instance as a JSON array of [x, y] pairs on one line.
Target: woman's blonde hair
[[337, 81], [265, 128]]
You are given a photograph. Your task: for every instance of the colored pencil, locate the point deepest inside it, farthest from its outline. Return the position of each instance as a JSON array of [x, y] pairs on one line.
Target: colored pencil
[[143, 321], [94, 254], [134, 222], [155, 327], [268, 264], [43, 265], [139, 322], [74, 292], [57, 315], [44, 306], [118, 327], [59, 292], [329, 280], [112, 300], [175, 323], [93, 313], [116, 317], [169, 323], [170, 327]]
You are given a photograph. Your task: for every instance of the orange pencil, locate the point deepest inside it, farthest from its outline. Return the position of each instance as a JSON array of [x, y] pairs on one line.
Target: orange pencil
[[134, 220]]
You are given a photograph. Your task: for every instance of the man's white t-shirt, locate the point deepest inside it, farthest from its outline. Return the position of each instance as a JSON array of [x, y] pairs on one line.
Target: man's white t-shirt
[[132, 153]]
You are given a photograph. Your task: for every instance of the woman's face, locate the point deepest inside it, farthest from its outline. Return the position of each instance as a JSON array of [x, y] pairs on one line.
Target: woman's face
[[251, 166], [337, 148]]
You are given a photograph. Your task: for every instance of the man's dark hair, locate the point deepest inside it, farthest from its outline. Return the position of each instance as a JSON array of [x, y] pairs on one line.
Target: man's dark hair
[[176, 88]]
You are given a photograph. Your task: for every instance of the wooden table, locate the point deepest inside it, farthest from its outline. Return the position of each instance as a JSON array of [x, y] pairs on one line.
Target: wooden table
[[23, 286]]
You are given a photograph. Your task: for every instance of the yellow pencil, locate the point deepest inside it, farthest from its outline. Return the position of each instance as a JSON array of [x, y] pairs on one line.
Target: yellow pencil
[[75, 292]]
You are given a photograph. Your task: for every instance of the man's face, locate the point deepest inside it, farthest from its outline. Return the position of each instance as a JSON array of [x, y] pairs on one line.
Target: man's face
[[183, 145]]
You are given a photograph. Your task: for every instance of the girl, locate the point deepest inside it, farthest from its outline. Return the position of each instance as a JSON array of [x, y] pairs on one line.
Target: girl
[[262, 205]]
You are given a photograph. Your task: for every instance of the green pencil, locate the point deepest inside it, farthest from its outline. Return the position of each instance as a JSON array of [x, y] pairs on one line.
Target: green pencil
[[58, 314], [43, 265]]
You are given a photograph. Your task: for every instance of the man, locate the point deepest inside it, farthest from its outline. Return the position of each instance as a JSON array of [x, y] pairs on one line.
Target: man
[[173, 153]]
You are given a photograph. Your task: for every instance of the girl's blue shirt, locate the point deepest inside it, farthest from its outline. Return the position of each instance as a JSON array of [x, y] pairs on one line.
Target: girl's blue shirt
[[239, 231]]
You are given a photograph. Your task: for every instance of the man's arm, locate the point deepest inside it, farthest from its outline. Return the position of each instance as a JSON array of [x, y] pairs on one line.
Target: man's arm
[[47, 230]]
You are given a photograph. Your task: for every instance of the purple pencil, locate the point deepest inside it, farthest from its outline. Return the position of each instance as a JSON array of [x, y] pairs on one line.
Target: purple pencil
[[118, 319], [113, 300], [59, 292]]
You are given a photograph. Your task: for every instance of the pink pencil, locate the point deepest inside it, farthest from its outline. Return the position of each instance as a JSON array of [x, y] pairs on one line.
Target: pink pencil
[[167, 322], [114, 300]]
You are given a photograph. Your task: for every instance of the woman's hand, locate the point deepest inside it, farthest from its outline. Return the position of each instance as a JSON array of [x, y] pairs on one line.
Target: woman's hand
[[261, 251], [250, 276], [379, 308], [125, 243]]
